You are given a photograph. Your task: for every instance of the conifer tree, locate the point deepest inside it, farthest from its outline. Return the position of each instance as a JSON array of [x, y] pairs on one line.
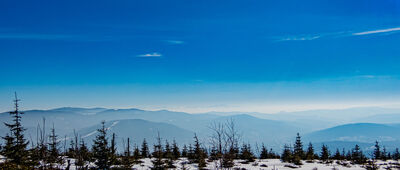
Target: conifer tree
[[83, 154], [324, 153], [298, 147], [136, 154], [337, 155], [377, 151], [264, 152], [175, 150], [246, 153], [126, 159], [145, 149], [384, 155], [167, 151], [184, 151], [190, 154], [113, 151], [396, 154], [168, 155], [357, 155], [15, 146], [286, 154], [158, 163], [199, 153], [53, 150], [101, 150], [310, 154]]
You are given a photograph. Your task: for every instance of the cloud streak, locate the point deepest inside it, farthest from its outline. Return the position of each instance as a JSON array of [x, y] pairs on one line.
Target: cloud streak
[[377, 31], [174, 41], [301, 38], [150, 55]]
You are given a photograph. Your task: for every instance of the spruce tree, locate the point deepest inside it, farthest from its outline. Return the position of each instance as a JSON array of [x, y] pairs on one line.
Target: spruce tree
[[264, 152], [145, 150], [168, 155], [310, 154], [136, 154], [15, 146], [83, 154], [199, 153], [184, 151], [324, 153], [101, 150], [158, 163], [126, 158], [396, 154], [357, 155], [246, 153], [53, 148], [377, 151], [337, 155], [175, 150], [113, 151], [384, 155], [286, 154], [298, 148]]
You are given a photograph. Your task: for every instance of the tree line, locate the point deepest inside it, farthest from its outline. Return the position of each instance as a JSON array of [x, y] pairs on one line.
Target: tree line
[[224, 147]]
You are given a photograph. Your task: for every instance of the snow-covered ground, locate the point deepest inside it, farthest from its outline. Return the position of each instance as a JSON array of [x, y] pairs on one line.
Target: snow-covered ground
[[263, 164], [2, 158]]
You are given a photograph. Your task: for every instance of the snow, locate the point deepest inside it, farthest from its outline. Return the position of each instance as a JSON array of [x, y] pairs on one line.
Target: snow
[[94, 132], [259, 164], [2, 158]]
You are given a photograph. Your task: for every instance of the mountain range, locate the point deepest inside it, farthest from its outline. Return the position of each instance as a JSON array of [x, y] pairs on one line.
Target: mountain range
[[337, 128]]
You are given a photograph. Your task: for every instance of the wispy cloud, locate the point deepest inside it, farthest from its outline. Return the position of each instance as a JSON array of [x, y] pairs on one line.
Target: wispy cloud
[[150, 55], [174, 41], [378, 31], [38, 36], [300, 38], [54, 37]]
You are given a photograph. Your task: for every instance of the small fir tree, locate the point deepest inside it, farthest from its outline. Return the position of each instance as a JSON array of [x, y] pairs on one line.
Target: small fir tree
[[101, 150]]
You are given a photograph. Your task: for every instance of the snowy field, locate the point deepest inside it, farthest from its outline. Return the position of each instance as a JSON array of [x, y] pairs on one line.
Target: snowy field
[[264, 164]]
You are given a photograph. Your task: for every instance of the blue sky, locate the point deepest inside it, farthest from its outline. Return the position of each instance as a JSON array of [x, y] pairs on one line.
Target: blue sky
[[197, 56]]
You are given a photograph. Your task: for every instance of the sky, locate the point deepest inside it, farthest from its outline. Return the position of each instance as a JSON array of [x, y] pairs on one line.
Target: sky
[[199, 56]]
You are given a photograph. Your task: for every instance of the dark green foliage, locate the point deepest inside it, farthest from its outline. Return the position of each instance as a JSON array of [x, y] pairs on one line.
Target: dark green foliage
[[83, 154], [310, 154], [15, 146], [298, 148], [145, 150], [101, 151], [264, 152], [324, 153], [136, 154], [396, 154], [158, 155], [357, 155], [384, 154], [127, 161], [53, 148], [184, 151], [199, 153], [246, 153], [168, 154], [175, 150], [113, 151], [287, 155], [337, 155], [377, 151]]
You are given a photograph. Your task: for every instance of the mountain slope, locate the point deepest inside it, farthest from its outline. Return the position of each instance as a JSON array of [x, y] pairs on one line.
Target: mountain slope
[[358, 132], [137, 130]]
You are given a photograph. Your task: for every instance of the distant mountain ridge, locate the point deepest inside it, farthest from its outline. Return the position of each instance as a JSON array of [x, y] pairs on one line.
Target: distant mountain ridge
[[272, 129]]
